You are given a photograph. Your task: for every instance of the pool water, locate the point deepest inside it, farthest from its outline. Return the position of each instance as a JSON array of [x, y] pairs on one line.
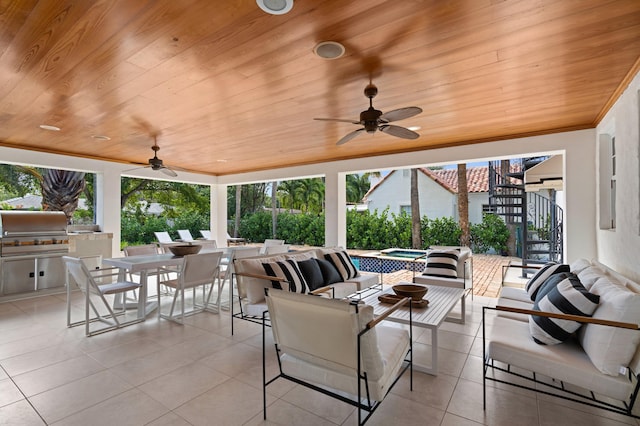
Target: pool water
[[407, 254]]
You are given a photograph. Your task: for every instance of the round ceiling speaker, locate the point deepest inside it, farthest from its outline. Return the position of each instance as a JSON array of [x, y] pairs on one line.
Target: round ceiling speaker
[[329, 50], [275, 7]]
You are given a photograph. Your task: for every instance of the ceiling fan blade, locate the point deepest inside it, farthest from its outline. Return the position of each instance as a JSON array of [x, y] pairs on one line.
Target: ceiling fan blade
[[337, 119], [135, 168], [399, 132], [400, 114], [349, 136], [167, 171]]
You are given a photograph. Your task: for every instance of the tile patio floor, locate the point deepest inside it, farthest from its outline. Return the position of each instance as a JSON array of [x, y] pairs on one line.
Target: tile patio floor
[[161, 373]]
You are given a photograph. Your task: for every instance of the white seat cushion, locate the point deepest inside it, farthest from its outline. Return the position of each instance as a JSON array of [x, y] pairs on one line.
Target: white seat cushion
[[393, 344], [441, 281], [363, 280], [512, 303], [510, 343], [514, 293]]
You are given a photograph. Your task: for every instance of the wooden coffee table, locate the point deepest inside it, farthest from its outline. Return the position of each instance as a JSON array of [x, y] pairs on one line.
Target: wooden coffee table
[[441, 301]]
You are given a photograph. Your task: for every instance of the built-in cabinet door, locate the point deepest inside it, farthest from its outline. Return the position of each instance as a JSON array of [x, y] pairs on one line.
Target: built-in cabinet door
[[50, 272], [18, 276]]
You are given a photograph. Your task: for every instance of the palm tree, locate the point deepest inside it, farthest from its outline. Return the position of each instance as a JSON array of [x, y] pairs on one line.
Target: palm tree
[[61, 189], [416, 236], [463, 205], [355, 187], [311, 193], [289, 194]]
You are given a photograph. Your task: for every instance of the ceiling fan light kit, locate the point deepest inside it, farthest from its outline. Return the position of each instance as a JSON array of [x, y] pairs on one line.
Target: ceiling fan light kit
[[373, 119], [275, 7], [329, 50]]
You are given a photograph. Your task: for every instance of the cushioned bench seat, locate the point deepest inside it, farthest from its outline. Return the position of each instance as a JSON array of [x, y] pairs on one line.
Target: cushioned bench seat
[[599, 354], [510, 342]]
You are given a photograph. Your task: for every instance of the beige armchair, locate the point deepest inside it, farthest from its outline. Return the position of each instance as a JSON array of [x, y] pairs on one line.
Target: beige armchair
[[337, 347], [437, 272]]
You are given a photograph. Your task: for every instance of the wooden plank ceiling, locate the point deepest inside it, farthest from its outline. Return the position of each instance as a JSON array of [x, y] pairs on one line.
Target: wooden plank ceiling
[[228, 88]]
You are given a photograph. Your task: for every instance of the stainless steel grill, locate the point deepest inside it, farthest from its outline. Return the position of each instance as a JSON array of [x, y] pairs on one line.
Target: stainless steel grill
[[31, 248]]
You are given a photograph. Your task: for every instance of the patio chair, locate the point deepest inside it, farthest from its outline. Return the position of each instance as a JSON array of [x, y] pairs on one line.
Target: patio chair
[[185, 235], [95, 284], [270, 243], [336, 348], [206, 234], [281, 248], [91, 262], [197, 270]]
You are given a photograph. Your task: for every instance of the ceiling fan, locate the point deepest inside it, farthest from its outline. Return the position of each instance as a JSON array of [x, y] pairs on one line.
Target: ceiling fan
[[156, 164], [373, 119]]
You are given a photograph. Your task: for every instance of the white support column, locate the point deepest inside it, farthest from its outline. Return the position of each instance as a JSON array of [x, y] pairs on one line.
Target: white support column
[[108, 205], [219, 214], [335, 225]]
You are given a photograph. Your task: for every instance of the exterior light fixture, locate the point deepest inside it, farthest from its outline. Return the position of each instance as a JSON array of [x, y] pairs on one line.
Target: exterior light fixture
[[275, 7], [49, 127]]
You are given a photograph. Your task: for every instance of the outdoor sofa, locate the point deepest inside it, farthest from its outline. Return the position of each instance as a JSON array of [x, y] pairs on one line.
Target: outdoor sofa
[[321, 267], [585, 318]]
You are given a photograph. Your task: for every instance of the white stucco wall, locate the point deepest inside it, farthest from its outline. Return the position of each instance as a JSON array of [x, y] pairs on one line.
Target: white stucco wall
[[435, 201], [619, 248]]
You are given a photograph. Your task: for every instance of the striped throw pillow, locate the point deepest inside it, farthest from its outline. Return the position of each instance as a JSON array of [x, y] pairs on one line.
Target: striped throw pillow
[[288, 270], [536, 282], [343, 264], [442, 263], [568, 297]]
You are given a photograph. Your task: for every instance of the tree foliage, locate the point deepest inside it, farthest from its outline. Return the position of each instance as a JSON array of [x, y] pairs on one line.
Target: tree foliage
[[183, 206]]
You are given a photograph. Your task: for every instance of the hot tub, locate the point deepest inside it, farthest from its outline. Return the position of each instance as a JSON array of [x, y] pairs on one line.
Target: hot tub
[[391, 260], [402, 253]]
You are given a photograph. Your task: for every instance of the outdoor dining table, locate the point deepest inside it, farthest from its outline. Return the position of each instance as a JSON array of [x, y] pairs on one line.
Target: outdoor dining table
[[141, 265], [144, 263]]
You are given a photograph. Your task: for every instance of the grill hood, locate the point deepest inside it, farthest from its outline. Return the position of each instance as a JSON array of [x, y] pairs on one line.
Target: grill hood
[[17, 223]]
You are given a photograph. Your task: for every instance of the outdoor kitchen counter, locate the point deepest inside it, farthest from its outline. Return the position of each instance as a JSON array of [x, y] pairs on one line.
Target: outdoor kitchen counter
[[90, 244]]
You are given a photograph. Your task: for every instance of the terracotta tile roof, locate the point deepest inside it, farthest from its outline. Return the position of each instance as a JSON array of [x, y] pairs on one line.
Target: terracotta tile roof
[[477, 178]]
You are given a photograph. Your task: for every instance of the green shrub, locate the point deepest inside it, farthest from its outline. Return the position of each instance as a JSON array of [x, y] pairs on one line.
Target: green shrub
[[256, 227], [442, 231], [138, 228], [492, 233]]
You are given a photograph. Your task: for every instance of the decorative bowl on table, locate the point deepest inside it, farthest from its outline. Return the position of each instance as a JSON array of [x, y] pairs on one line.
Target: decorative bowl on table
[[184, 249], [415, 291]]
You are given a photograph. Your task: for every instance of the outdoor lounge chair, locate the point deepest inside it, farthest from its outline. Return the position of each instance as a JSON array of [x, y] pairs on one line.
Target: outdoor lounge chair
[[234, 240], [336, 348]]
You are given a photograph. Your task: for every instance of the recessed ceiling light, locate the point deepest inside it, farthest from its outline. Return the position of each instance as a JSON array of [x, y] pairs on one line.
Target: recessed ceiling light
[[275, 7], [414, 128], [329, 50], [221, 161], [48, 127], [101, 137]]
